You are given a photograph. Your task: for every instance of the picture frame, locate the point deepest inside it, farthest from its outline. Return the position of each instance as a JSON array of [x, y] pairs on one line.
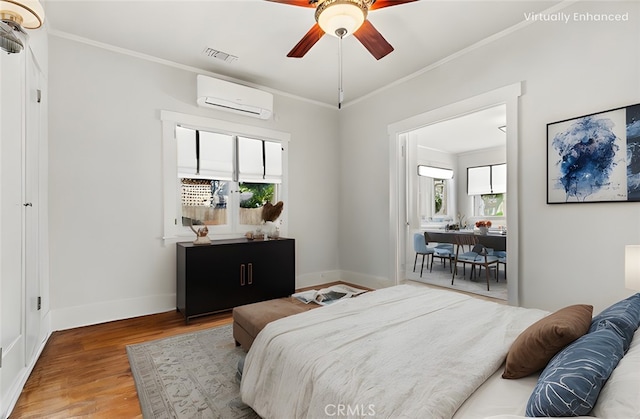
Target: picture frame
[[595, 157]]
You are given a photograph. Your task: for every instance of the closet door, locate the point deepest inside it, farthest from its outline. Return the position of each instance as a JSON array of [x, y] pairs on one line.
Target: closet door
[[12, 74], [31, 205]]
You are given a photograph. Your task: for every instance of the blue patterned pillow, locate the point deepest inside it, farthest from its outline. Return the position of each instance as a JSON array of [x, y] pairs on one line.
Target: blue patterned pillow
[[623, 317], [571, 382]]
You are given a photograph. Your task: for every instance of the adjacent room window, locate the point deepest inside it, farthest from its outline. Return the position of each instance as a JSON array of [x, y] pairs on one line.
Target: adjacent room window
[[488, 186], [221, 175], [490, 205], [490, 179], [433, 194], [440, 197]]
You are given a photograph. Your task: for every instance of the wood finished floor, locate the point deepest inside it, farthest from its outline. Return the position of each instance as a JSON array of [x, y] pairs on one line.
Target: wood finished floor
[[85, 372]]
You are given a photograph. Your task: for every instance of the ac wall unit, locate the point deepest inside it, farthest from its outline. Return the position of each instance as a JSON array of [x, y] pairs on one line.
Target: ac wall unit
[[232, 97]]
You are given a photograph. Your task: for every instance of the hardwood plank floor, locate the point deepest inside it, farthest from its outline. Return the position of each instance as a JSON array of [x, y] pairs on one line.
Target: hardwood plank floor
[[85, 372]]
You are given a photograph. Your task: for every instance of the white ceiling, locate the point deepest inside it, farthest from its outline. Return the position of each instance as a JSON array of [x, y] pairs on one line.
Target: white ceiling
[[261, 33], [475, 131]]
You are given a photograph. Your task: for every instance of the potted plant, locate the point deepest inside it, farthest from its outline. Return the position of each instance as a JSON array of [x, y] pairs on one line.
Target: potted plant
[[483, 226]]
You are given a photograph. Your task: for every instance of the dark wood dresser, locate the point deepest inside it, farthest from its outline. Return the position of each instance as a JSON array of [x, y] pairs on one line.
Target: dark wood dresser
[[232, 272]]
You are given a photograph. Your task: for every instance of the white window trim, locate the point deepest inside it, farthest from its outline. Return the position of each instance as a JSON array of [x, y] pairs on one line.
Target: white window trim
[[174, 231]]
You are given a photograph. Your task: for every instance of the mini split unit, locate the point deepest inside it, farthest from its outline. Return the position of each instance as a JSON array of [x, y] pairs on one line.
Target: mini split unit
[[232, 97]]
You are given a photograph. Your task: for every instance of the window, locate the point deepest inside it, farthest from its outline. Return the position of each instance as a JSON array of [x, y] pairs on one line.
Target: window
[[487, 179], [488, 186], [220, 174], [433, 199], [433, 193], [490, 205], [440, 196]]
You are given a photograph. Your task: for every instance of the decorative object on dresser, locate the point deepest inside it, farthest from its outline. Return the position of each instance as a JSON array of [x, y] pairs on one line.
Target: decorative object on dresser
[[270, 214], [202, 235], [231, 273]]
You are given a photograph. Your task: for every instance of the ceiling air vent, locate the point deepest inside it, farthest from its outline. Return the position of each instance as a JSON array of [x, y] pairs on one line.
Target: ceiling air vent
[[222, 56]]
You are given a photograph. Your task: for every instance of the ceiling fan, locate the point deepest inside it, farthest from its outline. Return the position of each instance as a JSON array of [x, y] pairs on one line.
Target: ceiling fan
[[341, 18]]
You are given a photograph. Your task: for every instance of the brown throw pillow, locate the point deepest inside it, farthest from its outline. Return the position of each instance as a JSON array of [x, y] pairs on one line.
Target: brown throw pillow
[[533, 348]]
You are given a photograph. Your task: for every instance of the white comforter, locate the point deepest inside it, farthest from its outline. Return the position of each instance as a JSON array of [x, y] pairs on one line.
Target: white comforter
[[401, 352]]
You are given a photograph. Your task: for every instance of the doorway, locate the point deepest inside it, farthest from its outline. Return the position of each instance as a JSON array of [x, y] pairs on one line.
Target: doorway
[[465, 146], [401, 163]]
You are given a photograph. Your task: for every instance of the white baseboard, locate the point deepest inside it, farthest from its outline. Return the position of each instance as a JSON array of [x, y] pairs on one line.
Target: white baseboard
[[369, 281], [78, 316], [320, 278], [85, 315], [317, 278]]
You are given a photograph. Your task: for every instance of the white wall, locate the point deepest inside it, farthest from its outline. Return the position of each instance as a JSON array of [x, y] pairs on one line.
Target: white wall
[[568, 253], [108, 260], [107, 256]]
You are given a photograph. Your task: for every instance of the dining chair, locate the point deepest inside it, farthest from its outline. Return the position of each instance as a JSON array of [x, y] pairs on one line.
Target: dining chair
[[502, 260], [421, 248], [478, 256], [443, 251]]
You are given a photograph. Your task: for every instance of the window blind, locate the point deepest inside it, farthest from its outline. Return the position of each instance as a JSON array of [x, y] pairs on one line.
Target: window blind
[[483, 180], [216, 156], [187, 160], [479, 180], [259, 161], [273, 162], [250, 160], [499, 178]]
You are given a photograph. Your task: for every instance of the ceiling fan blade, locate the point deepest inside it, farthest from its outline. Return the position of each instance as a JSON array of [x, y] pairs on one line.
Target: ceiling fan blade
[[373, 40], [302, 3], [307, 41], [379, 4]]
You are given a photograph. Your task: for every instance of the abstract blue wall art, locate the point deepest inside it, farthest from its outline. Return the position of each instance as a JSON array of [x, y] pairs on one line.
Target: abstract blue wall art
[[633, 153], [594, 158]]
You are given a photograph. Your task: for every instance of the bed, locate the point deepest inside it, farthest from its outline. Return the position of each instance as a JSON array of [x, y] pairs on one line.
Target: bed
[[403, 352]]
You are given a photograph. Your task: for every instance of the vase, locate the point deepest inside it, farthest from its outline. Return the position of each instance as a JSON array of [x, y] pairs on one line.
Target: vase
[[483, 230]]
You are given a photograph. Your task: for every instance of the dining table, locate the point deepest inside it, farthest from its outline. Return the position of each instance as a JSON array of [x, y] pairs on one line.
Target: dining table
[[491, 240]]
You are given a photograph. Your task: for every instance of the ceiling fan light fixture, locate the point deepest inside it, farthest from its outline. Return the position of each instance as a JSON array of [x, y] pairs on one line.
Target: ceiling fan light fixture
[[334, 15], [9, 42], [29, 14]]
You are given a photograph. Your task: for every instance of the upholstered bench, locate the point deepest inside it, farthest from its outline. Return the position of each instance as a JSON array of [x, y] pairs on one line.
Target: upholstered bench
[[250, 319]]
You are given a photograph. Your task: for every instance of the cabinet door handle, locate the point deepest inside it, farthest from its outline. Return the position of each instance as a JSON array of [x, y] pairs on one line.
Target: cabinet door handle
[[242, 275], [250, 273]]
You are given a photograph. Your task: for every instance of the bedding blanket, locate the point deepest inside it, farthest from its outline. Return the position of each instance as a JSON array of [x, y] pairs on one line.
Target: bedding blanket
[[402, 352]]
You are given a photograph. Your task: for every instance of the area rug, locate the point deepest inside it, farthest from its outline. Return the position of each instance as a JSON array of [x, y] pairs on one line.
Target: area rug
[[189, 376]]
